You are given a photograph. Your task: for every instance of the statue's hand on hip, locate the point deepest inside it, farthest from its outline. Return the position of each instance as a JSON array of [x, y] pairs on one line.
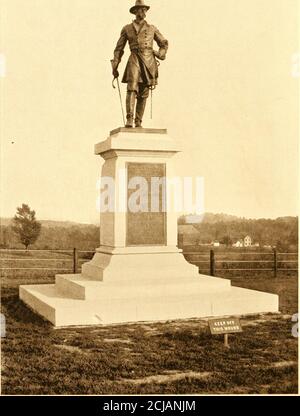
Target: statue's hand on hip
[[159, 55]]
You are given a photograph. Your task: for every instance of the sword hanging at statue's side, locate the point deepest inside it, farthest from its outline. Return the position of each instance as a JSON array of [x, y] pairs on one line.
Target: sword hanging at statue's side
[[119, 89]]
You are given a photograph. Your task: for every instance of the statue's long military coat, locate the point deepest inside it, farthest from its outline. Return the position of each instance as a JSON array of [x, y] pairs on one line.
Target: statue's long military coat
[[141, 66]]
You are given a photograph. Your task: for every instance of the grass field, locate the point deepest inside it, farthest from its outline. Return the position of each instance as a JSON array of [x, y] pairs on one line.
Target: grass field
[[163, 358]]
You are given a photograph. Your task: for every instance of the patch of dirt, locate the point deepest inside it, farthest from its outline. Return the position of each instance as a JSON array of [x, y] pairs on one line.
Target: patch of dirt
[[155, 334], [283, 364], [266, 387], [117, 340], [70, 348], [147, 328], [192, 325], [150, 330], [125, 349], [279, 364], [241, 390], [266, 318], [169, 377], [286, 317]]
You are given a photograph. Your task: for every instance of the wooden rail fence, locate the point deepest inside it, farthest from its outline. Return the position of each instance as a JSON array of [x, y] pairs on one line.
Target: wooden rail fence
[[71, 260], [211, 263], [214, 260]]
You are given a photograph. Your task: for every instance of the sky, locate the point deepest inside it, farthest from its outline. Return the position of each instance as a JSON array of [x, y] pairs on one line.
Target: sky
[[226, 93]]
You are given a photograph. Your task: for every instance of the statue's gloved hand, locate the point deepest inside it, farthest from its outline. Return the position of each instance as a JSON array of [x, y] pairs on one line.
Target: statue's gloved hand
[[116, 73], [114, 65]]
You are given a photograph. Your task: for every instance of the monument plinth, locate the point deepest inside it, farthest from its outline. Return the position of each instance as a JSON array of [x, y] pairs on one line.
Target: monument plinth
[[138, 273], [131, 240]]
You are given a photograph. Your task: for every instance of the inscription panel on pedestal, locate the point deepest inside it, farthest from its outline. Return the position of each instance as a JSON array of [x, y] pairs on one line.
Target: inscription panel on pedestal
[[147, 221]]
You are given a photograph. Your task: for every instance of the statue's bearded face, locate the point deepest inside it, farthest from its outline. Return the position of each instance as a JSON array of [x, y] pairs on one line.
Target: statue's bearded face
[[141, 13]]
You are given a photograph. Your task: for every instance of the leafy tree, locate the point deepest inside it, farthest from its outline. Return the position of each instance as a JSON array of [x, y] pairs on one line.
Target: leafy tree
[[25, 226], [227, 240]]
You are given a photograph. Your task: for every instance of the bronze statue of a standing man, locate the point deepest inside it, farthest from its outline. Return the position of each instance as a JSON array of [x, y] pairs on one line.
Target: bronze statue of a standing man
[[141, 72]]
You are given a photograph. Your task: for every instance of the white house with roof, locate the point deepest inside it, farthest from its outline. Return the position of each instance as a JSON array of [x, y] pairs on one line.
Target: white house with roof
[[238, 244], [215, 243], [245, 242]]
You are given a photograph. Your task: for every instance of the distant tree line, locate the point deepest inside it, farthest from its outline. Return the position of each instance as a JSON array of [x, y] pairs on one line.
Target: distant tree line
[[83, 237], [281, 232], [24, 230]]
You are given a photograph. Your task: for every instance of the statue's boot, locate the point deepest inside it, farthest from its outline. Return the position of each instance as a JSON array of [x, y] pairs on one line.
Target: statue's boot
[[139, 112], [130, 102]]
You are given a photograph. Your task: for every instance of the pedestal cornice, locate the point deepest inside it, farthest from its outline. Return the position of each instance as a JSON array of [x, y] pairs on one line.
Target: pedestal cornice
[[155, 142]]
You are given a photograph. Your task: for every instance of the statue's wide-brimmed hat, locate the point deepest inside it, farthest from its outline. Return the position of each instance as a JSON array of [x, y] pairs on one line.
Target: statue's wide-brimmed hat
[[138, 4]]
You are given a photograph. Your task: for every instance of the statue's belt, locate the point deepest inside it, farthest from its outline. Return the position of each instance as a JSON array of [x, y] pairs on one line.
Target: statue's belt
[[141, 49]]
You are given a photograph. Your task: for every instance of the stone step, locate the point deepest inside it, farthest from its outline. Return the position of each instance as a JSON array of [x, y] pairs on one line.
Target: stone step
[[47, 302], [79, 287], [134, 267], [69, 286]]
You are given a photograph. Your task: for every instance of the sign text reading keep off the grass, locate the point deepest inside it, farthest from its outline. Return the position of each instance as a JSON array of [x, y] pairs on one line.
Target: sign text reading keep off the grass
[[225, 326]]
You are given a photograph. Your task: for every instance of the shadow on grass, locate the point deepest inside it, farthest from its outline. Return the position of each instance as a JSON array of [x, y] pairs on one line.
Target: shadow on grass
[[14, 307]]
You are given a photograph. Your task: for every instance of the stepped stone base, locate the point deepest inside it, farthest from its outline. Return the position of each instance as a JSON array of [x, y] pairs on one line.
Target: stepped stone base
[[62, 311], [129, 293]]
